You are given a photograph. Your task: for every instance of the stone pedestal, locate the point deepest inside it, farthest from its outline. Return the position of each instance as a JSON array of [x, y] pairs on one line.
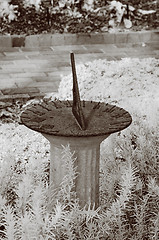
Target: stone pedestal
[[54, 119], [87, 153]]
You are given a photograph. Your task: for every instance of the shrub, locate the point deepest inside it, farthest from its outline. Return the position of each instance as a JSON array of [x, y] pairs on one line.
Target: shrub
[[31, 17], [128, 194], [7, 10]]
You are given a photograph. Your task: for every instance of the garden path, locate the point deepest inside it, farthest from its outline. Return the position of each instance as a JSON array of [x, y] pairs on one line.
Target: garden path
[[32, 72]]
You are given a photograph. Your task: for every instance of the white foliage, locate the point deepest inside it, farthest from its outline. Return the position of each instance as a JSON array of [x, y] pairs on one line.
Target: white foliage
[[24, 191], [88, 5], [116, 19], [62, 3], [7, 10], [153, 186], [127, 183], [36, 3], [9, 223], [120, 9], [146, 12], [127, 23], [131, 83]]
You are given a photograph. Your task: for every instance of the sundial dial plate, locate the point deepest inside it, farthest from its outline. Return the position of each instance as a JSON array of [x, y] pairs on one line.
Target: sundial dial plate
[[56, 118]]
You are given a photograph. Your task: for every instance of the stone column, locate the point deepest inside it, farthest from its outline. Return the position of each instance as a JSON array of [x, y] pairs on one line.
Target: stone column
[[87, 153]]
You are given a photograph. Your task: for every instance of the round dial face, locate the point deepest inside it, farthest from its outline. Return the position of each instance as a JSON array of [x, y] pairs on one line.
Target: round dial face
[[56, 118]]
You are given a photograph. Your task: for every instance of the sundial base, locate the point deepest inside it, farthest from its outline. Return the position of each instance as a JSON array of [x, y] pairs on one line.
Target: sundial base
[[87, 154]]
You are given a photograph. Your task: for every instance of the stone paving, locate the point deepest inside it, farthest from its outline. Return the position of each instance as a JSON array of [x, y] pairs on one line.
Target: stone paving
[[31, 72]]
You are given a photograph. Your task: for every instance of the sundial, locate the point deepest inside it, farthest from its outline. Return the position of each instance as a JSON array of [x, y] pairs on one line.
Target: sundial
[[81, 124], [75, 117]]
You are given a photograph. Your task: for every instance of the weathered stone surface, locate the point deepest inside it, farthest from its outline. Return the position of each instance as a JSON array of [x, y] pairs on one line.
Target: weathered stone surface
[[86, 151], [56, 118], [5, 41]]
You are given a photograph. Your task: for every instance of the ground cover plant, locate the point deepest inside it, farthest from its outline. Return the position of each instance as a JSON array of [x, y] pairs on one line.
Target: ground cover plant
[[129, 180], [76, 16]]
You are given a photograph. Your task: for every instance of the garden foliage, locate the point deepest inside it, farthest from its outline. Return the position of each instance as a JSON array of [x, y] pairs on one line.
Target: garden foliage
[[41, 16], [129, 184]]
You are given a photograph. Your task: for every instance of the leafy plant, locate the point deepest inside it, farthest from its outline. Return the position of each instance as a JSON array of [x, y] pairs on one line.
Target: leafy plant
[[7, 11], [129, 202], [40, 16]]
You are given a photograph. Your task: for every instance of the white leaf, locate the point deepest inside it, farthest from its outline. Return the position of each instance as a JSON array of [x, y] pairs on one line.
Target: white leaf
[[127, 23], [144, 12], [111, 23]]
